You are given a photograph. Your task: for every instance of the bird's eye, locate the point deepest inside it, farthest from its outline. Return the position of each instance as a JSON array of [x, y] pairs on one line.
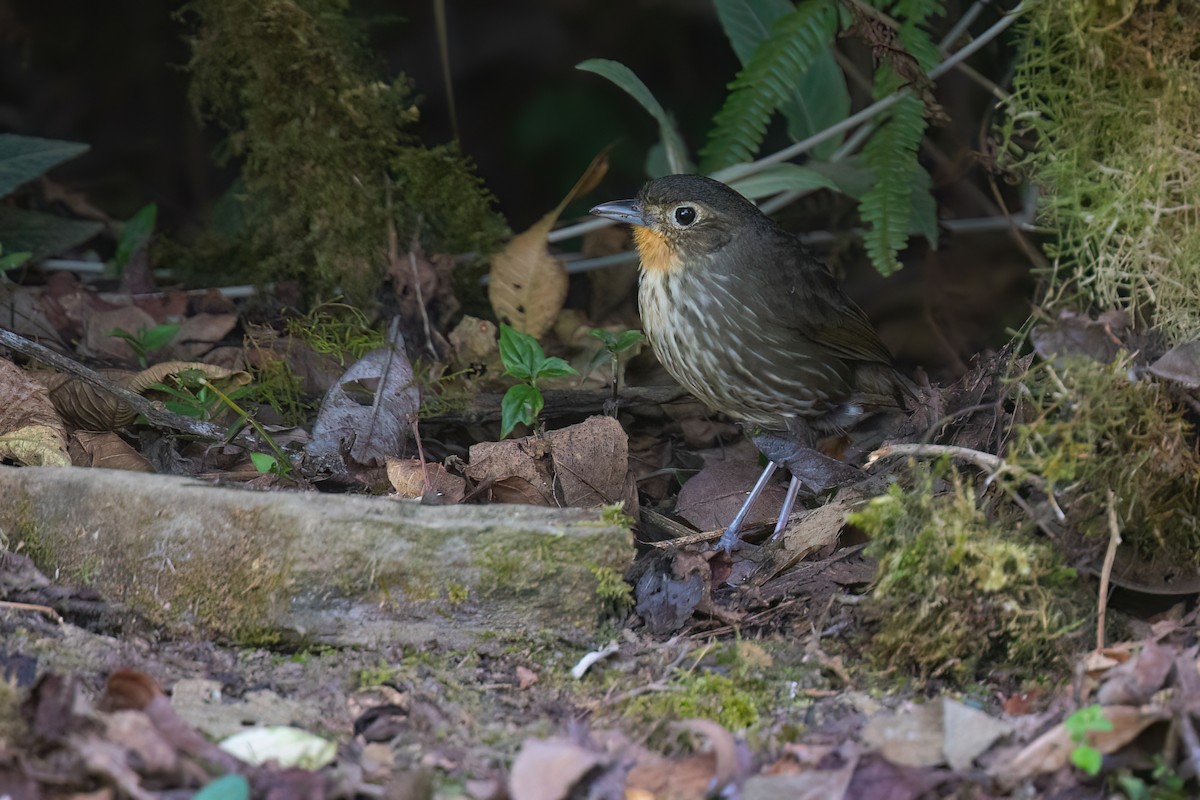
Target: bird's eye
[[685, 215]]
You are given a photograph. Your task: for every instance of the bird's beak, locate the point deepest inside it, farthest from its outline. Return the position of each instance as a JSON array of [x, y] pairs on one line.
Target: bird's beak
[[629, 211]]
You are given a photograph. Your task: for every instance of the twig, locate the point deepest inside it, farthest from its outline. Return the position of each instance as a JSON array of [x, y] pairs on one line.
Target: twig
[[158, 415], [47, 610], [985, 461], [1114, 539]]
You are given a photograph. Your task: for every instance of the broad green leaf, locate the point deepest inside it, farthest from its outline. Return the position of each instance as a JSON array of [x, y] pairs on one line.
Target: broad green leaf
[[1087, 759], [797, 40], [782, 178], [748, 22], [42, 235], [632, 85], [821, 101], [521, 403], [23, 158], [819, 98], [264, 462], [849, 175], [628, 339], [227, 787], [13, 260], [159, 335], [554, 367], [520, 353]]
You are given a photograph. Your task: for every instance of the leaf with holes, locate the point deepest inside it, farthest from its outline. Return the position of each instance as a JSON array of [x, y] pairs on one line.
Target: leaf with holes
[[528, 285]]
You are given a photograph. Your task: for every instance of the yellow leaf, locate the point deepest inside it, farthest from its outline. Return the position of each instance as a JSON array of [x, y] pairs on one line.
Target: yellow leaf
[[528, 285]]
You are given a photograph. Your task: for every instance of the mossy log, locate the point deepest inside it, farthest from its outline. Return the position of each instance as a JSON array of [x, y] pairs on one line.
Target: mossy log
[[308, 568]]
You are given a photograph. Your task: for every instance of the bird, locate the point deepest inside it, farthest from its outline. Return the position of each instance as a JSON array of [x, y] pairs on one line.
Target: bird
[[749, 320]]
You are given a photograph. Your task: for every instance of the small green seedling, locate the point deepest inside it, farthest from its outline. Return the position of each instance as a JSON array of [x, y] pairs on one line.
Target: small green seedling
[[614, 344], [147, 340], [193, 395], [1084, 721], [525, 360], [135, 235]]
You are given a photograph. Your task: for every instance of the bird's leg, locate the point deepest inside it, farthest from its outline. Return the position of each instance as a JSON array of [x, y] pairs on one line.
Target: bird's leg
[[788, 503], [818, 472], [734, 532]]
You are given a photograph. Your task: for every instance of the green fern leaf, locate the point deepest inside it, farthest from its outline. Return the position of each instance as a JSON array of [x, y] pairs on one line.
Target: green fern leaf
[[797, 40], [887, 208]]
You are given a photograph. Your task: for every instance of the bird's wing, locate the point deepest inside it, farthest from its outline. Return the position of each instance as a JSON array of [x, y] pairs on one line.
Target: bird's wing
[[807, 300]]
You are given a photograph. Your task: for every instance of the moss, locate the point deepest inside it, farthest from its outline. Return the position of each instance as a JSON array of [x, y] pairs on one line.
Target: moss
[[329, 168], [957, 589], [380, 674], [1092, 429], [1109, 93], [613, 591], [704, 694]]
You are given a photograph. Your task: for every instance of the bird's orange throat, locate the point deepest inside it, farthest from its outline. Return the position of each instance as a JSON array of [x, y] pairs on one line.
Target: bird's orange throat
[[655, 251]]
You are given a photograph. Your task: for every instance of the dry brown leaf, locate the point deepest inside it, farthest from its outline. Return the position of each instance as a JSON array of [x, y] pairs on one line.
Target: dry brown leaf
[[106, 450], [590, 462], [711, 497], [519, 470], [548, 769], [370, 408], [85, 406], [199, 332], [528, 285], [31, 431], [98, 326], [408, 477], [1051, 751]]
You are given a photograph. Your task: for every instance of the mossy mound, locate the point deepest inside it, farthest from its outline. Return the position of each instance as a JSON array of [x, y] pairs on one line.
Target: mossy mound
[[329, 169], [959, 588], [1108, 96]]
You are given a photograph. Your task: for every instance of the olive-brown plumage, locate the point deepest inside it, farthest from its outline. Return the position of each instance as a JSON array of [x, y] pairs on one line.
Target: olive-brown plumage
[[746, 318]]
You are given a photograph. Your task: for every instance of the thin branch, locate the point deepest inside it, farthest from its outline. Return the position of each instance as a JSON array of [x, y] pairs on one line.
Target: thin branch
[[156, 413]]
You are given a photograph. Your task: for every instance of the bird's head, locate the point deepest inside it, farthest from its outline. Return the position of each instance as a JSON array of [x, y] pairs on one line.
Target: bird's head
[[681, 220]]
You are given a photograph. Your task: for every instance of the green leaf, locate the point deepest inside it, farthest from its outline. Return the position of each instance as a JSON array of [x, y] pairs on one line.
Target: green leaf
[[554, 367], [1088, 759], [628, 339], [891, 154], [521, 403], [782, 178], [819, 97], [748, 22], [798, 39], [13, 260], [924, 219], [158, 336], [43, 235], [520, 353], [135, 234], [23, 158], [264, 462], [608, 338], [632, 85], [227, 787]]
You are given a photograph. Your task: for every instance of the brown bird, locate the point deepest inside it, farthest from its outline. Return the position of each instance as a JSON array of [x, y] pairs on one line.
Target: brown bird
[[748, 320]]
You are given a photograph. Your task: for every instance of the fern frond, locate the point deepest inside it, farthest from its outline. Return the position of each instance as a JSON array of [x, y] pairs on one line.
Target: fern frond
[[887, 207], [797, 40]]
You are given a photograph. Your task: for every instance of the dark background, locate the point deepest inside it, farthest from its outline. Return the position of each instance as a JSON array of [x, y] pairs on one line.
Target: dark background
[[112, 75]]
